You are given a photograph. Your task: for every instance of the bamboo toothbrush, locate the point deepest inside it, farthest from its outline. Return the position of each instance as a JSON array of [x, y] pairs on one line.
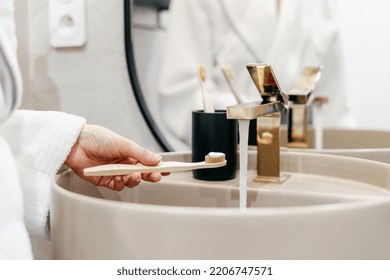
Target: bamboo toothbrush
[[207, 103], [212, 160], [229, 76]]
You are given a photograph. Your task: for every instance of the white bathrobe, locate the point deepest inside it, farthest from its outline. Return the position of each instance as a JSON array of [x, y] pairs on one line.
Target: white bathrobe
[[33, 146], [303, 33]]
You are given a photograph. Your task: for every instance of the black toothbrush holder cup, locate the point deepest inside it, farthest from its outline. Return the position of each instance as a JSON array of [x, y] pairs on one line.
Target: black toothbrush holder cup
[[213, 132]]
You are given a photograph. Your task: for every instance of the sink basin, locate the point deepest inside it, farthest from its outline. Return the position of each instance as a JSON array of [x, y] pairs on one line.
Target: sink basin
[[331, 207], [361, 143]]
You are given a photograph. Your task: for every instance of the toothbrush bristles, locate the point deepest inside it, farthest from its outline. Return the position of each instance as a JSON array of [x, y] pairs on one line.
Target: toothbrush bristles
[[207, 102], [229, 76], [228, 71], [202, 72], [214, 157]]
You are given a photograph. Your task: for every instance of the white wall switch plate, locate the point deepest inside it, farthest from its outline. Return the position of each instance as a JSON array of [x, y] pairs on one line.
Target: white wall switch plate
[[67, 23]]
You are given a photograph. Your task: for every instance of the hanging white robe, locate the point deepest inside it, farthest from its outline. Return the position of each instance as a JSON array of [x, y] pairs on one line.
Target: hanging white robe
[[303, 33], [33, 146]]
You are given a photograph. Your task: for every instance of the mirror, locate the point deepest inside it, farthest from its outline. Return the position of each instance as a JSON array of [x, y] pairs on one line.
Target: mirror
[[364, 52]]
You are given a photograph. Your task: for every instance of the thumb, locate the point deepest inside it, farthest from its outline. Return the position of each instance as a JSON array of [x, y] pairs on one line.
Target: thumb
[[133, 150]]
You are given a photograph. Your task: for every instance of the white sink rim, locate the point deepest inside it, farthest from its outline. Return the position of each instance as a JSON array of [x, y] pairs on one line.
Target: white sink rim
[[362, 151], [220, 211]]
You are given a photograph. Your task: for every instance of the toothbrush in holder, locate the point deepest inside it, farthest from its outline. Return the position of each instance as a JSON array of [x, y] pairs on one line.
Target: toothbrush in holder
[[229, 76], [207, 103]]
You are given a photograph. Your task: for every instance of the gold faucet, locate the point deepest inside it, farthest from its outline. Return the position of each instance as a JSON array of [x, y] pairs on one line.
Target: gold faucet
[[269, 113], [301, 101]]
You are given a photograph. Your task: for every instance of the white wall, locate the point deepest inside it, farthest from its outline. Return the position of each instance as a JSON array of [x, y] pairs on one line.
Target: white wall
[[90, 81], [365, 26]]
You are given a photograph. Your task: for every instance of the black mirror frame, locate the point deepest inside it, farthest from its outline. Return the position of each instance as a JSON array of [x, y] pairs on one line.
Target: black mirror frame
[[132, 71]]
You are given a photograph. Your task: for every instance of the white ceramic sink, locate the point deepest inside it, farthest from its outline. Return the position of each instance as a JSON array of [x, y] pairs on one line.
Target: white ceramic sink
[[331, 207], [362, 143]]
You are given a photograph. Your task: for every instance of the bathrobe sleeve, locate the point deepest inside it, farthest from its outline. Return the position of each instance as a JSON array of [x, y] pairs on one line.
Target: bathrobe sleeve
[[40, 142]]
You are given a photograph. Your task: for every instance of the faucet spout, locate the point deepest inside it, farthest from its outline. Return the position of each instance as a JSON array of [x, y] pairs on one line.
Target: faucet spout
[[253, 110], [268, 113]]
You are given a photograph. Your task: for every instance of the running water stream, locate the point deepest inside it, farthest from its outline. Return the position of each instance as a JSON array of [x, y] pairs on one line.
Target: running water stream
[[243, 126], [318, 128]]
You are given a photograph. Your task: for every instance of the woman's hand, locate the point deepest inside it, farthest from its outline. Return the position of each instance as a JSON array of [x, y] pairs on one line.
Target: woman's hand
[[97, 145]]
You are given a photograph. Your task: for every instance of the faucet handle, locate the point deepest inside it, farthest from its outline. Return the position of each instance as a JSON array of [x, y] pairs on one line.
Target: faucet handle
[[300, 93], [266, 82]]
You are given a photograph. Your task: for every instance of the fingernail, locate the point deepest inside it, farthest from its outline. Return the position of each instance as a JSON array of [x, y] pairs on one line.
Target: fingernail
[[156, 157], [137, 178], [117, 178]]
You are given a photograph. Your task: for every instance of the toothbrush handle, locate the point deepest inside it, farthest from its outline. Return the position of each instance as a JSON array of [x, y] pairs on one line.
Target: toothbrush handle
[[233, 90], [169, 166], [208, 106]]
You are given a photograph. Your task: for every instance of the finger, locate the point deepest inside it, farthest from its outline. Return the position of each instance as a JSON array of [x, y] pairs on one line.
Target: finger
[[108, 183], [152, 177], [112, 183], [118, 183], [115, 183], [131, 149], [155, 177], [133, 180]]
